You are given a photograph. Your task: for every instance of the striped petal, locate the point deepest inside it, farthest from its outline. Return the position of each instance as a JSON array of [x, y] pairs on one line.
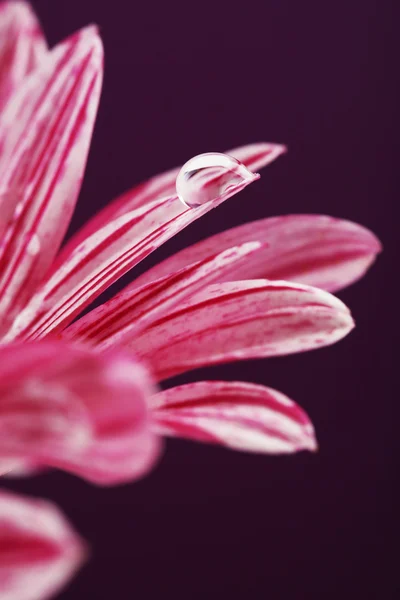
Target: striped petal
[[39, 552], [104, 257], [67, 407], [312, 249], [134, 309], [22, 46], [47, 128], [241, 320], [238, 415], [254, 156]]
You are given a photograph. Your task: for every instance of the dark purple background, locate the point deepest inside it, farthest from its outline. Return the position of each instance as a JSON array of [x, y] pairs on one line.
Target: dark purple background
[[184, 78]]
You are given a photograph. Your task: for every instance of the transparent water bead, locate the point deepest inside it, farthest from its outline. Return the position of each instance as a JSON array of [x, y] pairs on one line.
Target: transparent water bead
[[208, 176]]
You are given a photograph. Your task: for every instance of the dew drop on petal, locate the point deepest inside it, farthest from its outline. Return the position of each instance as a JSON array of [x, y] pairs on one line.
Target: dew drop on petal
[[208, 176]]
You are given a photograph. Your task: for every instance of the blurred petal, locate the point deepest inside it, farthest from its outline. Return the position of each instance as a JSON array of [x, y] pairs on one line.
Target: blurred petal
[[132, 310], [254, 156], [15, 469], [125, 447], [40, 420], [237, 321], [312, 249], [22, 46], [39, 552], [47, 128], [104, 257], [239, 415], [68, 407]]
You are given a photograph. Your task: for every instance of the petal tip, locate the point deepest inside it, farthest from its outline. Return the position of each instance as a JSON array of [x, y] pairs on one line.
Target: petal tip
[[91, 33], [275, 149], [310, 442], [88, 37], [375, 246], [345, 324], [281, 149]]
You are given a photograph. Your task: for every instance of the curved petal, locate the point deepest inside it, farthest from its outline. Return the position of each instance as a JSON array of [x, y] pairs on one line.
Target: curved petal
[[47, 128], [22, 46], [314, 250], [134, 309], [68, 407], [254, 156], [15, 469], [39, 421], [241, 320], [39, 552], [125, 448], [239, 415], [104, 257]]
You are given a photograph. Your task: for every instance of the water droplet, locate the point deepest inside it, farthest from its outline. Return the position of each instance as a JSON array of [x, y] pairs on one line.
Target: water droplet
[[208, 176]]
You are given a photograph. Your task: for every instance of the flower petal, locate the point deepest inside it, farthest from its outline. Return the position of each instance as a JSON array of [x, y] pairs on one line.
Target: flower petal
[[22, 46], [68, 407], [312, 249], [239, 415], [241, 320], [104, 257], [47, 128], [134, 309], [254, 156], [39, 552], [125, 447]]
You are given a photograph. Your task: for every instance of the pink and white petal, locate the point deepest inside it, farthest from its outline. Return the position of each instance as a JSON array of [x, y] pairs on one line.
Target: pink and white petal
[[104, 257], [40, 422], [41, 415], [125, 446], [116, 464], [258, 155], [47, 128], [253, 156], [66, 406], [243, 416], [315, 250], [22, 46], [238, 321], [15, 469], [39, 551], [134, 309]]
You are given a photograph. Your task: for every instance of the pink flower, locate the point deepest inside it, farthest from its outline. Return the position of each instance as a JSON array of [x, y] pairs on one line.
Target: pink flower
[[39, 552], [223, 299]]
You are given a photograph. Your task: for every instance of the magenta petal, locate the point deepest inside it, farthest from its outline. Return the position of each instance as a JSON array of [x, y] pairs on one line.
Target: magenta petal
[[259, 155], [239, 415], [241, 320], [65, 406], [136, 308], [312, 249], [104, 257], [47, 130], [125, 448], [115, 241], [39, 552], [254, 156], [39, 421], [22, 46]]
